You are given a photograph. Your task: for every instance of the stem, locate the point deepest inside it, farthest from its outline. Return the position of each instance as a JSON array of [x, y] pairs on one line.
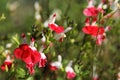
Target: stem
[[68, 7], [78, 56]]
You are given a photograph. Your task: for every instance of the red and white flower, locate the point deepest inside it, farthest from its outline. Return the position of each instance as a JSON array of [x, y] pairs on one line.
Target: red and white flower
[[99, 33], [57, 64], [69, 71], [28, 54], [43, 59], [62, 35], [56, 28], [101, 37], [92, 29], [7, 63], [95, 75], [91, 10], [53, 26]]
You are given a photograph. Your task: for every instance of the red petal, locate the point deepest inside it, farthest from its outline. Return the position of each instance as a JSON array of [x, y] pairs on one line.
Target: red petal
[[18, 53], [53, 68], [93, 30], [52, 26], [42, 62], [87, 29], [26, 56], [30, 68], [71, 75], [91, 11], [24, 46], [59, 29], [35, 57]]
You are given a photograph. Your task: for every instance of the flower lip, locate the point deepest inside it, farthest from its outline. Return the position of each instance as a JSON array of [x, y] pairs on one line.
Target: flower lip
[[56, 28]]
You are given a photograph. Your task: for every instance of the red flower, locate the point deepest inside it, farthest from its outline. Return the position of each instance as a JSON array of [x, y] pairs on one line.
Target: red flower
[[100, 39], [18, 52], [60, 37], [90, 11], [25, 53], [30, 67], [93, 30], [56, 65], [69, 71], [56, 28], [43, 60], [53, 26], [28, 54], [95, 78], [6, 64], [70, 75], [53, 68]]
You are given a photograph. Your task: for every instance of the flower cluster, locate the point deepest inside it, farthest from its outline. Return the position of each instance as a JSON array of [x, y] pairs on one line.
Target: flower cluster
[[30, 55], [70, 74], [98, 32], [91, 26]]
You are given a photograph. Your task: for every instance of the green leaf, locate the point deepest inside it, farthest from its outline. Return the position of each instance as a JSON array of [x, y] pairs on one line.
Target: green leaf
[[20, 73], [30, 78], [76, 67], [1, 49], [15, 39], [2, 17]]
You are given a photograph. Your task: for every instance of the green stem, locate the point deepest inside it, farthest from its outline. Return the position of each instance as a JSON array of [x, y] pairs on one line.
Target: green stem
[[68, 7], [78, 56]]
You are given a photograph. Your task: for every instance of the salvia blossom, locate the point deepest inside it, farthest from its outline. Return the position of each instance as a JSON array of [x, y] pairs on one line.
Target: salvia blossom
[[101, 37], [91, 10], [56, 28], [53, 26], [7, 64], [95, 75], [92, 29], [69, 71], [95, 31], [53, 17], [62, 35], [28, 54], [57, 64], [43, 59]]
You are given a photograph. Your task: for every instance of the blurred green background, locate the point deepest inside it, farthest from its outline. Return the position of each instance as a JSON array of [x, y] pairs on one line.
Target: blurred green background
[[21, 18]]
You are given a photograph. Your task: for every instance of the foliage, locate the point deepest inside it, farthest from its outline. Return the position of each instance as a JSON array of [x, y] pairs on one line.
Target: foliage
[[88, 58]]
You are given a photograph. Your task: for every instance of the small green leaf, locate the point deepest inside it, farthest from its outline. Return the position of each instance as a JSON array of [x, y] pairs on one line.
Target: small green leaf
[[20, 73], [30, 78], [2, 17], [1, 49], [76, 67]]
